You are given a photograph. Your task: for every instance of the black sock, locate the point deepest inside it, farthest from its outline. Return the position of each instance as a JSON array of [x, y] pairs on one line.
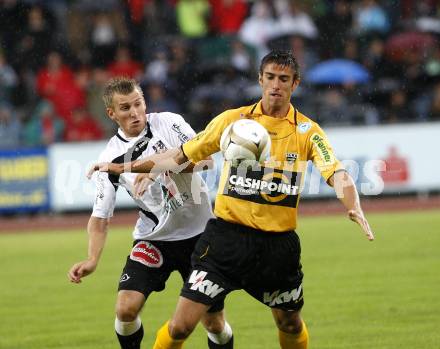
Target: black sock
[[229, 345], [132, 341]]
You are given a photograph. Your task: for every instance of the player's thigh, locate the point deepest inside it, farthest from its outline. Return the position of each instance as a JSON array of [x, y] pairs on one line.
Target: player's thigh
[[129, 304], [186, 317]]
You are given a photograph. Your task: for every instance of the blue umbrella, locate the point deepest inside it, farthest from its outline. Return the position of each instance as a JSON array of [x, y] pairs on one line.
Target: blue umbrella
[[337, 71]]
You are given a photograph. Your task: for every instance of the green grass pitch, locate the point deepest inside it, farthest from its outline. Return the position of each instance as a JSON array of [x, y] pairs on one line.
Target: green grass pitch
[[358, 295]]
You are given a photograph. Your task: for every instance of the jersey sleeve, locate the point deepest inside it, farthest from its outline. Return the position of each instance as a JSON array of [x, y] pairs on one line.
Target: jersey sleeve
[[321, 153], [105, 194], [206, 142], [180, 131]]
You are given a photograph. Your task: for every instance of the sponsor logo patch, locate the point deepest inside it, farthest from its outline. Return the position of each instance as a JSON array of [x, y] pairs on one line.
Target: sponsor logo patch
[[182, 137], [322, 148], [141, 145], [159, 147], [263, 185], [146, 253], [303, 127], [276, 297], [198, 282]]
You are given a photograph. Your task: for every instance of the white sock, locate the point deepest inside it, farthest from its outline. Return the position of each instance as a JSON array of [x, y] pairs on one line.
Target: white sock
[[127, 328], [223, 337]]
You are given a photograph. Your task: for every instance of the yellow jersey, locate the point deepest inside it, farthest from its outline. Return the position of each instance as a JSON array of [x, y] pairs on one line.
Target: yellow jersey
[[266, 197]]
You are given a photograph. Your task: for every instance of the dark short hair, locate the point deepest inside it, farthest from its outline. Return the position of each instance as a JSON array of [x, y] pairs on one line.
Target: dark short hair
[[282, 58], [121, 85]]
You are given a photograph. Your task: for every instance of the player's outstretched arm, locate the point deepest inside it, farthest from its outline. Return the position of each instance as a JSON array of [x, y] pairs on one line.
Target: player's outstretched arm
[[173, 160], [347, 193], [97, 229], [170, 160]]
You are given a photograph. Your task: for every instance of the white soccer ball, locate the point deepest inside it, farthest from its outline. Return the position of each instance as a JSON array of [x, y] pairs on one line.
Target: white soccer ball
[[245, 139]]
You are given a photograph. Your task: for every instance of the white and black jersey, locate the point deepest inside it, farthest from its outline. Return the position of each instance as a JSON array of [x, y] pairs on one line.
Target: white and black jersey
[[175, 206]]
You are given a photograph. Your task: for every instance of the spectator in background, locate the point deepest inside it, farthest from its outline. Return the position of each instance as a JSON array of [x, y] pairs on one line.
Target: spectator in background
[[334, 28], [159, 18], [82, 127], [412, 71], [158, 101], [8, 79], [192, 18], [371, 18], [305, 56], [13, 14], [432, 62], [292, 20], [124, 64], [258, 28], [93, 30], [10, 127], [59, 10], [227, 16], [103, 39], [434, 110], [397, 108], [56, 82], [157, 69], [44, 127], [95, 90], [333, 108], [240, 57], [351, 49], [374, 59], [148, 22], [181, 72], [37, 38], [101, 5]]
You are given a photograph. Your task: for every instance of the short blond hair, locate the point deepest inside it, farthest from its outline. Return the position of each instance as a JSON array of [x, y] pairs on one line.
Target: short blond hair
[[121, 85]]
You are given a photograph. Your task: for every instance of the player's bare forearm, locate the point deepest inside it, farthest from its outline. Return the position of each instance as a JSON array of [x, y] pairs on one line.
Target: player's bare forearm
[[97, 230], [347, 193], [345, 190], [173, 160]]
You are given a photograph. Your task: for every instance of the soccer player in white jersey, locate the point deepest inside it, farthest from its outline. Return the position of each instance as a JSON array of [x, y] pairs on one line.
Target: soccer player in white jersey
[[173, 211]]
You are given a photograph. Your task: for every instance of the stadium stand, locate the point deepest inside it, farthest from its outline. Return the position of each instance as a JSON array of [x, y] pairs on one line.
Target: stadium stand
[[398, 45]]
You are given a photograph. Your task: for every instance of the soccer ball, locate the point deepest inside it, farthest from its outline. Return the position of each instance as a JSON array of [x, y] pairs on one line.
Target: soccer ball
[[245, 139]]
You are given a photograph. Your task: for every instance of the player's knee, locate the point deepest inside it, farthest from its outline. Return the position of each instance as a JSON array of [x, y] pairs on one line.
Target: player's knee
[[126, 312], [179, 330], [289, 324]]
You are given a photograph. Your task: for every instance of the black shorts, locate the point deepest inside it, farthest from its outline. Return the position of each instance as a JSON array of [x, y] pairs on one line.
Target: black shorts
[[230, 256], [151, 263]]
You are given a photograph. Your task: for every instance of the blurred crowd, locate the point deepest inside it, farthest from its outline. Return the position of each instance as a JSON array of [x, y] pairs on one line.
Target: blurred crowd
[[199, 57]]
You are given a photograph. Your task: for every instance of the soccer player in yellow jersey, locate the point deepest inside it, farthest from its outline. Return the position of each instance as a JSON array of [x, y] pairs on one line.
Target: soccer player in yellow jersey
[[252, 243]]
